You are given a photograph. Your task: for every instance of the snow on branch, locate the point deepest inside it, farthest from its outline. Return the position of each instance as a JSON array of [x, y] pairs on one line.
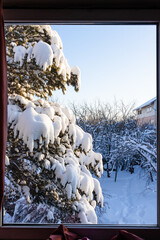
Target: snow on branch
[[36, 61], [57, 149]]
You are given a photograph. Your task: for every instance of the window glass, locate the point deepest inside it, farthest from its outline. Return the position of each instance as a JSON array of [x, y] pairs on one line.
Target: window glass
[[81, 148]]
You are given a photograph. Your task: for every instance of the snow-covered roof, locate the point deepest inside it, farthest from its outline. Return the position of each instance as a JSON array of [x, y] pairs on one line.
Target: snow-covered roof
[[146, 103]]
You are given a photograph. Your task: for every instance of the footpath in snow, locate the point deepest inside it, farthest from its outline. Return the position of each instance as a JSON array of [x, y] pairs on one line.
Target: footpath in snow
[[129, 200]]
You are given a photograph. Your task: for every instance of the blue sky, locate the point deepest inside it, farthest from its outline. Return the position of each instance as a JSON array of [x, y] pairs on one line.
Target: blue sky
[[116, 61]]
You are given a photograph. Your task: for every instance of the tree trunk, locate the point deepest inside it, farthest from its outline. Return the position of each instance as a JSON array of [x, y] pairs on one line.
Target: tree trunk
[[116, 174]]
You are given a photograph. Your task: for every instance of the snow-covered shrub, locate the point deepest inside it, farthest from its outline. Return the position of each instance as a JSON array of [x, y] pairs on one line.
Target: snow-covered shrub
[[49, 159], [118, 138]]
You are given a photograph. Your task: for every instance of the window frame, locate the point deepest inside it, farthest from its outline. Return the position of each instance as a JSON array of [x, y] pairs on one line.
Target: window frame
[[139, 111], [90, 16]]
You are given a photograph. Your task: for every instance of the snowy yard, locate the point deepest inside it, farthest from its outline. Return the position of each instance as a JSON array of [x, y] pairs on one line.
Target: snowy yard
[[129, 200]]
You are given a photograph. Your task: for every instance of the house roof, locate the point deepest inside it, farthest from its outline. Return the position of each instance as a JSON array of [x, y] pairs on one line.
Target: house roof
[[146, 103]]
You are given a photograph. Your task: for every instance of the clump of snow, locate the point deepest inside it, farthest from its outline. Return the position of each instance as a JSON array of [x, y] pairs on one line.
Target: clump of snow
[[50, 215], [13, 44], [80, 137], [29, 52], [65, 122], [49, 111], [69, 190], [55, 39], [30, 104], [76, 71], [40, 156], [87, 142], [93, 159], [13, 113], [87, 213], [47, 164], [98, 191], [70, 158], [57, 126], [71, 178], [61, 62], [19, 54], [43, 54], [21, 99], [7, 160], [86, 183], [33, 126], [69, 114], [58, 167]]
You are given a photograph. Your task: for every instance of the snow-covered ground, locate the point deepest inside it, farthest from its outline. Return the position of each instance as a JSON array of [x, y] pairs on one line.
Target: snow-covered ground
[[130, 200]]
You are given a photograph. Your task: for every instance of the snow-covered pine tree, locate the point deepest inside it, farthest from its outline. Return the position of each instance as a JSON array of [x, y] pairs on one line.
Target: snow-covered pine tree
[[49, 159]]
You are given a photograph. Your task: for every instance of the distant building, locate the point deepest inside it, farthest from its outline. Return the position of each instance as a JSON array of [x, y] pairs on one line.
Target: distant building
[[147, 112]]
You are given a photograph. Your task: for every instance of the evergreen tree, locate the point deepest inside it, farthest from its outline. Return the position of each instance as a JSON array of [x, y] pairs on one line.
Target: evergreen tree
[[48, 157]]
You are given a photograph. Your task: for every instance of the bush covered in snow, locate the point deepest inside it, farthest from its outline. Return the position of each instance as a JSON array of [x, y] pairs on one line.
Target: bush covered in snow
[[118, 138], [49, 158]]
